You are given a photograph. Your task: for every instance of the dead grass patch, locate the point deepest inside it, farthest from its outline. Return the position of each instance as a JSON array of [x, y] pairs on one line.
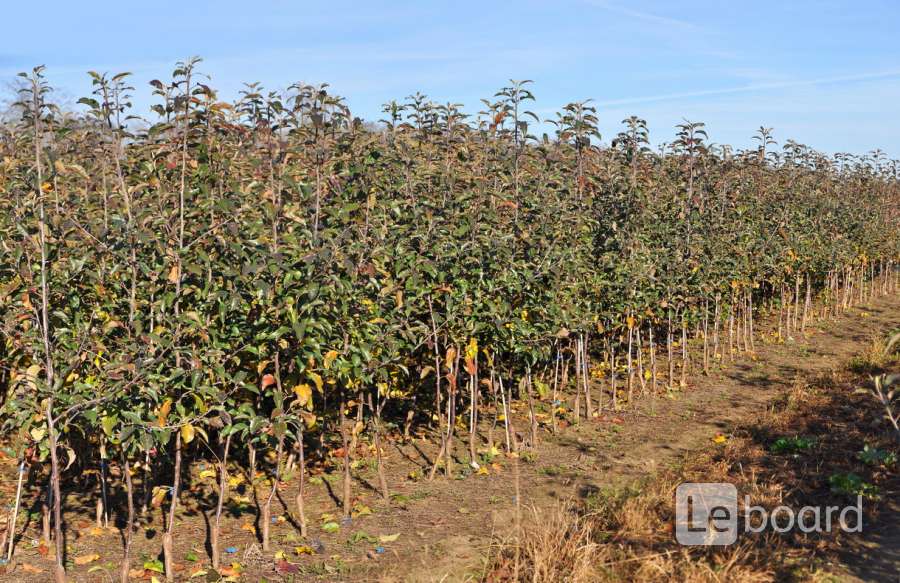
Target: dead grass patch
[[626, 534]]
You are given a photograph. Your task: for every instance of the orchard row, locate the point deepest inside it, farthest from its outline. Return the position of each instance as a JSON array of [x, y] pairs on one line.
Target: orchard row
[[279, 279]]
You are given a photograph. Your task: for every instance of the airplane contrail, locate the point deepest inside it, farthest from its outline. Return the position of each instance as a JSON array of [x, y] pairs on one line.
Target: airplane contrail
[[751, 88]]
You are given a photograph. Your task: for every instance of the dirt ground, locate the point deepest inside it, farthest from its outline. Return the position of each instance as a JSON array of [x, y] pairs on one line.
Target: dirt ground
[[443, 526]]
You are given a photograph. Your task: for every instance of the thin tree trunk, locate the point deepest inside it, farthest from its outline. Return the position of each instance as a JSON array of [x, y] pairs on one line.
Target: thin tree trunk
[[750, 320], [578, 370], [506, 422], [807, 303], [267, 506], [629, 366], [346, 500], [129, 524], [473, 419], [716, 317], [586, 378], [382, 482], [731, 330], [301, 487], [530, 392], [11, 528], [168, 550], [612, 375], [654, 386], [706, 337], [223, 491], [640, 361], [670, 351]]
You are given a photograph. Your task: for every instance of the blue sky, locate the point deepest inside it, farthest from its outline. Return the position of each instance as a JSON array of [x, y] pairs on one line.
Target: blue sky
[[825, 73]]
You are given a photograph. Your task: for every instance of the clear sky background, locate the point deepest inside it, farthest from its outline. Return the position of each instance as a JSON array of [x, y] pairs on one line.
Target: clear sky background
[[825, 73]]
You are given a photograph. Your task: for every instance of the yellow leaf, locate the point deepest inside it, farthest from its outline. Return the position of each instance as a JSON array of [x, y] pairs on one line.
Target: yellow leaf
[[330, 356], [174, 274], [451, 356], [472, 348], [159, 494], [719, 438], [309, 419], [389, 538], [85, 559], [316, 379], [360, 510], [304, 395], [164, 412], [31, 376], [304, 550], [208, 474], [187, 433]]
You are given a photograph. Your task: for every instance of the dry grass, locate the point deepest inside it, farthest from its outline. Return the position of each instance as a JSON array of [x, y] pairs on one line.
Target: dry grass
[[556, 545], [626, 534]]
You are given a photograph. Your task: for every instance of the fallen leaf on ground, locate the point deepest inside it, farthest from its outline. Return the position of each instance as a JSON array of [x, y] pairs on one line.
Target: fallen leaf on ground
[[361, 510], [29, 568], [232, 570], [389, 538], [85, 559], [285, 568]]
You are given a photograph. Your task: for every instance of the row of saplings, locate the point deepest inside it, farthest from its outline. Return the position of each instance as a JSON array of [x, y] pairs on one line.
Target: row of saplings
[[661, 351]]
